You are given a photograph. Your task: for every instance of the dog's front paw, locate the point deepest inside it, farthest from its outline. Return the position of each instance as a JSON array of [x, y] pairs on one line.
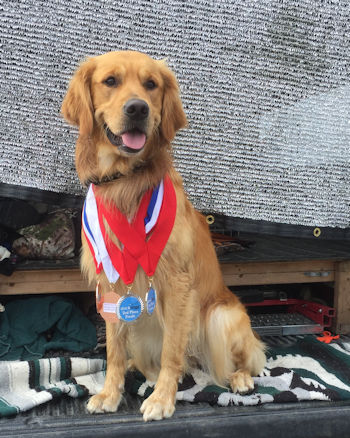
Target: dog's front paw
[[156, 408], [102, 402]]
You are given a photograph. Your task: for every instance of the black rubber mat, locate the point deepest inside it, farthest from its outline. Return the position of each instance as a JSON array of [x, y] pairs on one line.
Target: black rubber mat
[[68, 418]]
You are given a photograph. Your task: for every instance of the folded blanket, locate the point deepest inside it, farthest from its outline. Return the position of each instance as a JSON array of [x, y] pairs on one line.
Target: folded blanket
[[31, 326], [308, 370], [24, 385]]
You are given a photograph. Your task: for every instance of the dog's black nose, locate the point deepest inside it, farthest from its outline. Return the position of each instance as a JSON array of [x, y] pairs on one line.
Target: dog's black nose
[[136, 109]]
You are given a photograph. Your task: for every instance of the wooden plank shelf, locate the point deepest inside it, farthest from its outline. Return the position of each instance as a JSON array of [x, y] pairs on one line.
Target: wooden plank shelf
[[259, 273], [43, 282], [235, 274]]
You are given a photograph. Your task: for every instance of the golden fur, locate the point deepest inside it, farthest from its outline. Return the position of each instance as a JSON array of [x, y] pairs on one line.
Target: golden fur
[[197, 319]]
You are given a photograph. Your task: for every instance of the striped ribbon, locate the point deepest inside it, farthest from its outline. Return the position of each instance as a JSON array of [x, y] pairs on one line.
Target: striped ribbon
[[104, 251]]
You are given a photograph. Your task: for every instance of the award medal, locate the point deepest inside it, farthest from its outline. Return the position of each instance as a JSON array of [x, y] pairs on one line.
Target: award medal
[[109, 307], [99, 299], [129, 307], [151, 300], [140, 246]]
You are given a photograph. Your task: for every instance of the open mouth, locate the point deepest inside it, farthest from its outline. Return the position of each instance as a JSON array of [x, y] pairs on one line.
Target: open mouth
[[131, 141]]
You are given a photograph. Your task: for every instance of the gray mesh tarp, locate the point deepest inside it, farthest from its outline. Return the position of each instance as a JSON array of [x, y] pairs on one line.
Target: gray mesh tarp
[[265, 86]]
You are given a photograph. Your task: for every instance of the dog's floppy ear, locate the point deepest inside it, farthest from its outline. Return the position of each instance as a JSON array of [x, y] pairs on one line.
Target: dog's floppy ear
[[173, 116], [77, 105], [77, 109]]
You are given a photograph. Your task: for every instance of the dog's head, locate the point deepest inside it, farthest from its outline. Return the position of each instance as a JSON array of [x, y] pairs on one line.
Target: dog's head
[[126, 105]]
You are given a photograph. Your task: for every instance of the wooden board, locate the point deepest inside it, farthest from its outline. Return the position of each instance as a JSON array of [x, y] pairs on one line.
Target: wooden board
[[43, 281], [342, 298], [249, 274], [235, 274]]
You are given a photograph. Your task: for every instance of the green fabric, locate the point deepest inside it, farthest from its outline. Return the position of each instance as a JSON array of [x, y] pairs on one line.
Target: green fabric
[[25, 324]]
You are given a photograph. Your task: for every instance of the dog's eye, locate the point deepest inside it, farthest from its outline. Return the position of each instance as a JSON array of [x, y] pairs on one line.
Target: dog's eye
[[111, 81], [150, 85]]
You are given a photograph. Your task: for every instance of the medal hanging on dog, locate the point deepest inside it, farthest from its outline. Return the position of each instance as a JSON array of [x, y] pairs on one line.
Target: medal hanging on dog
[[99, 300], [129, 307], [151, 298], [107, 304]]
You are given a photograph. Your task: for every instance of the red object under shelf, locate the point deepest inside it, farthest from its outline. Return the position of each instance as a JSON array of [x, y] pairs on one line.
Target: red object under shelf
[[318, 313]]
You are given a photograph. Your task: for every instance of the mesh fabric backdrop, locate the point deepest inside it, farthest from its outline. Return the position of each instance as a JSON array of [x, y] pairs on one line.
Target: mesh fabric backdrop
[[265, 86]]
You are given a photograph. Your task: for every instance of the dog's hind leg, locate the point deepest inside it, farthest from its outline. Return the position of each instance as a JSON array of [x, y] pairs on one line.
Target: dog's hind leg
[[109, 398], [177, 312], [235, 353], [248, 357]]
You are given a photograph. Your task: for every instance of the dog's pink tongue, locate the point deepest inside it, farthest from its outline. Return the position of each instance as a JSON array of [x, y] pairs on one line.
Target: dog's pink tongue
[[134, 140]]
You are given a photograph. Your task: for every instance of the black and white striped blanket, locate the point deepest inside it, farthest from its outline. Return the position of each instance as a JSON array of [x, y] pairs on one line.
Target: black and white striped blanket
[[307, 370]]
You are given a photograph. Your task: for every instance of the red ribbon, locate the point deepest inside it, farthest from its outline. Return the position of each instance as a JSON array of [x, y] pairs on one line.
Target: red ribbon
[[138, 248]]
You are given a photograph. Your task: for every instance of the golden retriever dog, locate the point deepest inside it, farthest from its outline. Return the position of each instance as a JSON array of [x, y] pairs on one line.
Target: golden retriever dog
[[126, 95]]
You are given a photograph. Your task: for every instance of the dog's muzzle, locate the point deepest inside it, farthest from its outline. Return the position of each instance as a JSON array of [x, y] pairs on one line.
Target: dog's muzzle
[[133, 139]]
